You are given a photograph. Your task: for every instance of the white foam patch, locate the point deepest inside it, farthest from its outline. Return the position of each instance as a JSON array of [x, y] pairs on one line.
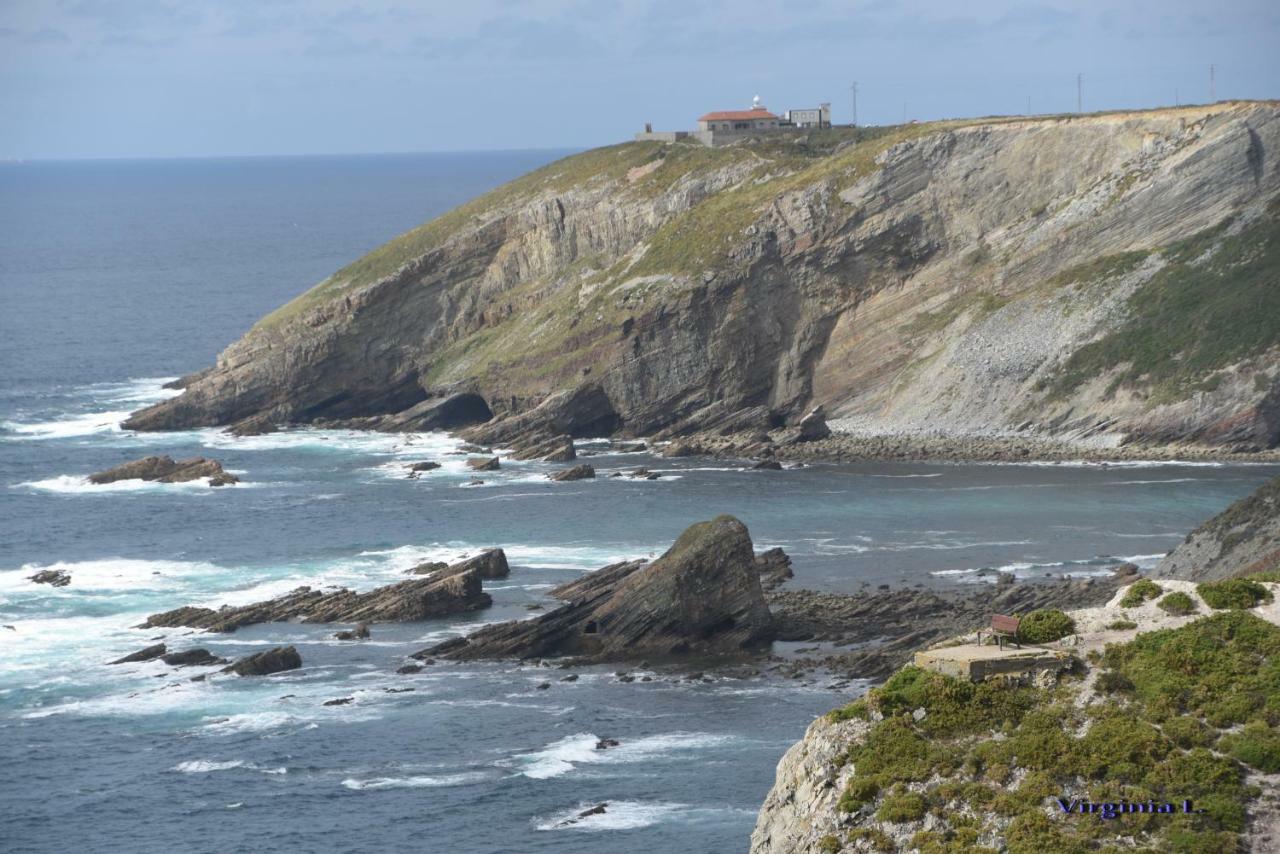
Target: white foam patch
[[416, 782], [618, 815], [1087, 568], [204, 766], [563, 756], [68, 484], [71, 426]]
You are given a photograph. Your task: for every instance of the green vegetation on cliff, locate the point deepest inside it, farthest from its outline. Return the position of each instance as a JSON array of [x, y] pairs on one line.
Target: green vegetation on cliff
[[1213, 303], [1178, 714]]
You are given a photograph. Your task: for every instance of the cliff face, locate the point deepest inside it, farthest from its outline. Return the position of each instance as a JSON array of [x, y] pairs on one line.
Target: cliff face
[[1241, 540], [1110, 276]]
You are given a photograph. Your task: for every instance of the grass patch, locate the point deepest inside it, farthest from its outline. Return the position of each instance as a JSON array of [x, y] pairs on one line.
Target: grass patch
[[1256, 745], [1122, 625], [1177, 603], [1139, 592], [902, 806], [1233, 593], [1045, 626], [1195, 316]]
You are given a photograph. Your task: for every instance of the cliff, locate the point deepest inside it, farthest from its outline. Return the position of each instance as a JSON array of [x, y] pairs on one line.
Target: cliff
[[1107, 277], [1162, 708], [1241, 540]]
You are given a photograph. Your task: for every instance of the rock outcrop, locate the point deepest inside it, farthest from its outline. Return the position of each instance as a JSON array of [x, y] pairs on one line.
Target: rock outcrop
[[701, 597], [959, 278], [164, 469], [1243, 539], [52, 577], [145, 654], [265, 663], [439, 595], [582, 471]]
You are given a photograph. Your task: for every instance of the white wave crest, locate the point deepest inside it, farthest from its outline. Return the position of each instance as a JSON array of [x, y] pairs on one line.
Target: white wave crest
[[416, 782]]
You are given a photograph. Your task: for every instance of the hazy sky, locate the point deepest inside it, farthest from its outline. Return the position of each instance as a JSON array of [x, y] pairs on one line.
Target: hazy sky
[[140, 78]]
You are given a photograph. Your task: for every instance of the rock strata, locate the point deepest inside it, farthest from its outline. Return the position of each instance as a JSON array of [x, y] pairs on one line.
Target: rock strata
[[164, 469], [144, 654], [416, 599], [702, 596], [578, 472]]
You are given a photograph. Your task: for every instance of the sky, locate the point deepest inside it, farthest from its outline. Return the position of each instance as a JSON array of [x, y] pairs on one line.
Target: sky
[[190, 78]]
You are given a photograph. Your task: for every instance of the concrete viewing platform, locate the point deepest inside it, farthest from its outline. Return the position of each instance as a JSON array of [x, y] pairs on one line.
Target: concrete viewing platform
[[1034, 664]]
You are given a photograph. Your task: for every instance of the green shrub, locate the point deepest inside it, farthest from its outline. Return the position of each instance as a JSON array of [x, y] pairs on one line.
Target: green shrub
[[855, 710], [829, 844], [1187, 732], [1139, 592], [1272, 575], [878, 839], [1233, 593], [1111, 682], [1177, 603], [1257, 745], [859, 791], [1045, 625], [1122, 625], [902, 806]]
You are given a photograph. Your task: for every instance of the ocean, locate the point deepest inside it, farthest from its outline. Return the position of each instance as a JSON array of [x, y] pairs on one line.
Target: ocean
[[116, 276]]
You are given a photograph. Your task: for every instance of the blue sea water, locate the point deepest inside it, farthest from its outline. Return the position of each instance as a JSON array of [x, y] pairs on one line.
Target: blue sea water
[[117, 275]]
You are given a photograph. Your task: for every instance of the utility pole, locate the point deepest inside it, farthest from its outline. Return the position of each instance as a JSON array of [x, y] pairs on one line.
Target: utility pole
[[1079, 93], [1213, 84], [853, 102]]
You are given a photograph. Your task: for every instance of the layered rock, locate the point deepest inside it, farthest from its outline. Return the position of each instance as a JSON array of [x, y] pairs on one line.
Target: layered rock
[[962, 278], [164, 469], [52, 577], [416, 599], [578, 472], [1243, 539], [701, 597], [265, 663]]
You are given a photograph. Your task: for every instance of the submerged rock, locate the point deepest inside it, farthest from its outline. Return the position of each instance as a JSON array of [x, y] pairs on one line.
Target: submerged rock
[[425, 465], [484, 464], [265, 663], [768, 465], [578, 472], [192, 658], [164, 469], [703, 596], [53, 577], [144, 654], [360, 632]]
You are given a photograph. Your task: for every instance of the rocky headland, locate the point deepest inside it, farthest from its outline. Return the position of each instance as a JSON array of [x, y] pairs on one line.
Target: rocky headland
[[979, 289]]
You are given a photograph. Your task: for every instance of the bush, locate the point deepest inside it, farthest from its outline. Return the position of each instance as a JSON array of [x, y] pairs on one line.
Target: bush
[[855, 710], [859, 791], [877, 839], [1187, 732], [1044, 626], [1122, 625], [1111, 682], [902, 806], [829, 844], [1139, 592], [1257, 745], [1177, 603], [1233, 593]]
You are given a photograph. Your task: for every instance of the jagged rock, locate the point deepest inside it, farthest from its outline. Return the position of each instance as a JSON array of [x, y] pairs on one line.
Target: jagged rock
[[425, 465], [1127, 570], [409, 669], [556, 449], [584, 410], [489, 564], [598, 809], [702, 596], [606, 743], [484, 463], [544, 686], [360, 632], [163, 469], [427, 568], [265, 663], [681, 448], [773, 567], [629, 447], [53, 577], [578, 472], [768, 465], [572, 677], [438, 413], [341, 701], [811, 428], [254, 425], [144, 654], [416, 599], [469, 448], [192, 658]]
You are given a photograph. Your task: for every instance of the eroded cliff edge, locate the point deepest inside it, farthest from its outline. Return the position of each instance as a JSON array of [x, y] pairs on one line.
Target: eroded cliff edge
[[1107, 278]]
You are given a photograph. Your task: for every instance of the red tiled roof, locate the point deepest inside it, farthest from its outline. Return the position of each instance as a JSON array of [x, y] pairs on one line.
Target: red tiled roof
[[737, 115]]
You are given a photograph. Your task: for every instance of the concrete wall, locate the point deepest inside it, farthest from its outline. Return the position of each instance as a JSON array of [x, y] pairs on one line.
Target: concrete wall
[[662, 135]]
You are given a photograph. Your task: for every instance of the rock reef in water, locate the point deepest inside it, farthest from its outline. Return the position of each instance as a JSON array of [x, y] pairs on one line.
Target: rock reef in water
[[164, 469], [265, 663], [702, 597], [453, 590], [52, 577]]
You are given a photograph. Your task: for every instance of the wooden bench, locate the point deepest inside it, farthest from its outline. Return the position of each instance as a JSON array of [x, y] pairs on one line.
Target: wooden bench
[[1002, 628]]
